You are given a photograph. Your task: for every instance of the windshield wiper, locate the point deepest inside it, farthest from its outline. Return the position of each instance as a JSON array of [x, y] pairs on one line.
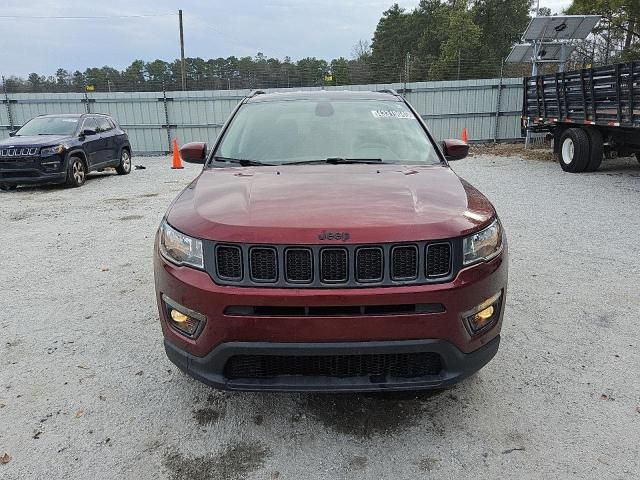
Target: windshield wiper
[[336, 161], [242, 162]]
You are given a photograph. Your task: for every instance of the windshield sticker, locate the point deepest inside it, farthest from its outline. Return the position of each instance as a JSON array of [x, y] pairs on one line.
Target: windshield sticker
[[390, 114], [70, 120]]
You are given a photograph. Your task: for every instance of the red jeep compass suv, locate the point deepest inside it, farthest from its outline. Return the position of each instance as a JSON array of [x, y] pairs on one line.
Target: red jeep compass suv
[[327, 246]]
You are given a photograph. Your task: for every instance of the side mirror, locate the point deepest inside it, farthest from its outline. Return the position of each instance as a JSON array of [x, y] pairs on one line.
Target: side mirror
[[12, 133], [454, 149], [87, 132], [194, 152]]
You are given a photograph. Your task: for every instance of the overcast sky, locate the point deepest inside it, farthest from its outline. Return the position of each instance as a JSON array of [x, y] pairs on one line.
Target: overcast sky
[[36, 41]]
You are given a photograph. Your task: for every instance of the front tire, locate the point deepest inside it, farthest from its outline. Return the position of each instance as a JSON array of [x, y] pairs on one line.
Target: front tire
[[124, 168], [7, 188], [76, 172], [575, 150]]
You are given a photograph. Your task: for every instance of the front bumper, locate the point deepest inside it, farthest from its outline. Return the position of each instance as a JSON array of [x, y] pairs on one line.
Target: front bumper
[[211, 368], [30, 171], [226, 334]]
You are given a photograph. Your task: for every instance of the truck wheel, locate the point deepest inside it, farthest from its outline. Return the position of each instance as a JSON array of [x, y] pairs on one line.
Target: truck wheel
[[76, 172], [596, 151], [574, 150], [125, 163]]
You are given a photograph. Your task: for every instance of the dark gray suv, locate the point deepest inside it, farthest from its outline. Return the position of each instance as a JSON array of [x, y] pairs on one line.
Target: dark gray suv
[[63, 149]]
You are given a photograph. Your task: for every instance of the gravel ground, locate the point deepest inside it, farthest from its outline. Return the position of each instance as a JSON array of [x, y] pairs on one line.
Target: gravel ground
[[87, 392]]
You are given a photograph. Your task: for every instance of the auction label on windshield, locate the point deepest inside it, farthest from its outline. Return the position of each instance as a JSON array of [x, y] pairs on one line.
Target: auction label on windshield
[[390, 114]]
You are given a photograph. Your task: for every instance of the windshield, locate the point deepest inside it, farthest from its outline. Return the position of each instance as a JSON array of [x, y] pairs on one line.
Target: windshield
[[311, 130], [49, 126]]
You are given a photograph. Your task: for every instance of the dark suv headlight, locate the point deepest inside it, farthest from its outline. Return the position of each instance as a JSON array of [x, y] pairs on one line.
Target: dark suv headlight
[[482, 245], [55, 150]]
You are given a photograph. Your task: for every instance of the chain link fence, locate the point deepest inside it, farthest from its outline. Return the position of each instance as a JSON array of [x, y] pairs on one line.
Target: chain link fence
[[484, 97]]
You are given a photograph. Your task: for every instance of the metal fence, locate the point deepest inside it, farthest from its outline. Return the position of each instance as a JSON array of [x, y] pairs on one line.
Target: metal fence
[[490, 110]]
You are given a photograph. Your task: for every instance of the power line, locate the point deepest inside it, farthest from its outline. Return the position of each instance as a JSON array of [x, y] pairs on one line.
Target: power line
[[83, 17]]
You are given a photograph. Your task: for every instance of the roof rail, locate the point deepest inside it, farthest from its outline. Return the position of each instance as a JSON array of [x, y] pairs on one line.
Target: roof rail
[[390, 91], [253, 93]]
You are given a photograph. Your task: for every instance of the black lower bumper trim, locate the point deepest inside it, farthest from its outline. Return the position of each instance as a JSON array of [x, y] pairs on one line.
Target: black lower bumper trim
[[455, 365], [31, 177]]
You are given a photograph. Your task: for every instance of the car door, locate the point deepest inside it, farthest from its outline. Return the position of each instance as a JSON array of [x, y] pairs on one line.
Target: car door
[[108, 146], [92, 143]]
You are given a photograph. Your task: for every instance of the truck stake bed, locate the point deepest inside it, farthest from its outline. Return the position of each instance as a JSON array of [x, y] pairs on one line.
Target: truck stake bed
[[602, 102]]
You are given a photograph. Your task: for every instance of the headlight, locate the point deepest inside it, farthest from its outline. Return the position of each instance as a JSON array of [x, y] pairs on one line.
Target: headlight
[[483, 245], [180, 248], [53, 150]]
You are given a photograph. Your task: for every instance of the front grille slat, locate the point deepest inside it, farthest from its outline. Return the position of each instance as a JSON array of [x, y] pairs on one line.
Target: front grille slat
[[229, 262], [369, 264], [438, 259], [299, 265], [264, 264], [393, 365], [334, 266], [404, 262]]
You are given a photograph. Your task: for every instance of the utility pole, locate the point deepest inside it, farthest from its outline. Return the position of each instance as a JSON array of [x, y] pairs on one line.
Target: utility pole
[[184, 80], [407, 61]]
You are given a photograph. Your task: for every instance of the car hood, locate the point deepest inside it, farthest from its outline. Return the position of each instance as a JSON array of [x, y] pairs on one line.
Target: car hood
[[33, 140], [295, 204]]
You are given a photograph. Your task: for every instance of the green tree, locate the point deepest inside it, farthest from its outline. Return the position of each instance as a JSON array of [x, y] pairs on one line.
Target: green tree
[[133, 75], [35, 82], [617, 37], [63, 78], [463, 43], [393, 38], [501, 24]]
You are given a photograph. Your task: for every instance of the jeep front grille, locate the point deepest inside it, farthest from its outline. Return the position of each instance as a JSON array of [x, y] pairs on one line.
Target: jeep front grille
[[18, 151], [334, 266]]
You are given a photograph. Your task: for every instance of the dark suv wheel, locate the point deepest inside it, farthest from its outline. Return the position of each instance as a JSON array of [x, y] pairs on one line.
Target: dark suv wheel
[[76, 172], [124, 167]]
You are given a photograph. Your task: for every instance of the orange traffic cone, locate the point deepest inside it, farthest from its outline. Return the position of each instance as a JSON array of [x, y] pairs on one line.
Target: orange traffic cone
[[177, 161], [465, 136]]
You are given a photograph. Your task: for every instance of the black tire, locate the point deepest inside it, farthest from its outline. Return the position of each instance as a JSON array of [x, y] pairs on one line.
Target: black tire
[[7, 188], [124, 167], [596, 152], [76, 172], [574, 150]]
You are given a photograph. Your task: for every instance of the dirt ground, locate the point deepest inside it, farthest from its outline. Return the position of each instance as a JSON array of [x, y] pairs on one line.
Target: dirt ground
[[86, 391], [533, 152]]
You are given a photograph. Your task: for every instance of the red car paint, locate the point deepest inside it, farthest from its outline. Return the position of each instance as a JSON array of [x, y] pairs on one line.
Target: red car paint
[[293, 204]]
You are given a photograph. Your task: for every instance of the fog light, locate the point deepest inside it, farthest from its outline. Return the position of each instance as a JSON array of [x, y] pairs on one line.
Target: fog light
[[178, 317], [484, 315], [188, 322], [51, 165]]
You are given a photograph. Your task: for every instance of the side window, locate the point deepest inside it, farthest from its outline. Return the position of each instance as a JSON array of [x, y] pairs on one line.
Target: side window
[[90, 124], [104, 124]]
